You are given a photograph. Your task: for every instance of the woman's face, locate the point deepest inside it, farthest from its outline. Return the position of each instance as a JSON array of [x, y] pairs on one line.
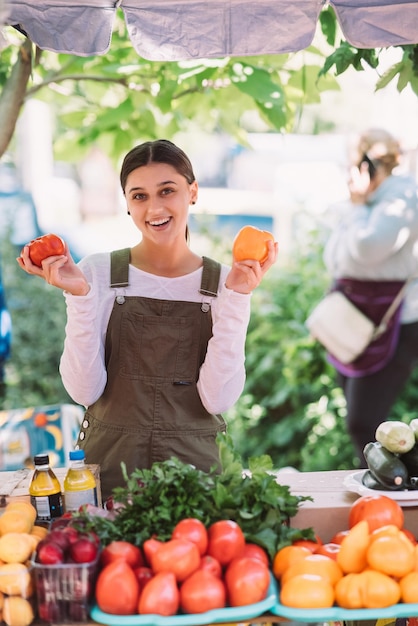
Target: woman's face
[[158, 199]]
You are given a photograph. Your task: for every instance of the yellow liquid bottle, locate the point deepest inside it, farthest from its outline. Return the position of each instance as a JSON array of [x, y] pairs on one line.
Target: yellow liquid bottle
[[79, 483], [45, 490]]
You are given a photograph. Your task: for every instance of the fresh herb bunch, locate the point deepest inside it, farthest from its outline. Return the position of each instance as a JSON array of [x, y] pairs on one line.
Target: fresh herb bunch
[[155, 500]]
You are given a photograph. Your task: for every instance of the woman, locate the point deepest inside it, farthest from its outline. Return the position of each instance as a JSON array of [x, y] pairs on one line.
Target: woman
[[376, 244], [155, 334]]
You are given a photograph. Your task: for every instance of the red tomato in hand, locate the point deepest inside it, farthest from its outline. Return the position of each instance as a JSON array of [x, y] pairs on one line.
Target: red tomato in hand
[[329, 549], [247, 581], [202, 591], [160, 595], [117, 589], [192, 530], [226, 541], [378, 510], [178, 556], [210, 564], [43, 247], [256, 552], [122, 550]]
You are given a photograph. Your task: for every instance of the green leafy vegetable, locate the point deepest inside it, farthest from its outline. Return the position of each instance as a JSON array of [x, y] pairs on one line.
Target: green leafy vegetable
[[155, 500]]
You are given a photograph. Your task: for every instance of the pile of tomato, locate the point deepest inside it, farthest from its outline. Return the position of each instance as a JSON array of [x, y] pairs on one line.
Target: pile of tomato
[[197, 570], [372, 564]]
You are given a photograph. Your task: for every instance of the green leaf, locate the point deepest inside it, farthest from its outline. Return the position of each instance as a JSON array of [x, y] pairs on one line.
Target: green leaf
[[328, 23]]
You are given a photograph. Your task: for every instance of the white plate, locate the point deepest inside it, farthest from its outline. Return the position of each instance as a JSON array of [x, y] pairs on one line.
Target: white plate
[[353, 482]]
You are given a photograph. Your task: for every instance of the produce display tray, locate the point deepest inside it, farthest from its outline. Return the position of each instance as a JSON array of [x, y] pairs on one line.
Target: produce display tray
[[337, 614], [229, 614]]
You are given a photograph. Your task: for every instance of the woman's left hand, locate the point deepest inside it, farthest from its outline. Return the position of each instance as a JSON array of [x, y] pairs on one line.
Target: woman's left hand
[[246, 275]]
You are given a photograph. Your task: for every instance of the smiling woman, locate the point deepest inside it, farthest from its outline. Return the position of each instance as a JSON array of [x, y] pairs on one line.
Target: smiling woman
[[155, 335]]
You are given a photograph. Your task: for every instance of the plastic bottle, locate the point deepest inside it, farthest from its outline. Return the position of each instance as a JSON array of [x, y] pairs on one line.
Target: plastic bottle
[[45, 490], [79, 483]]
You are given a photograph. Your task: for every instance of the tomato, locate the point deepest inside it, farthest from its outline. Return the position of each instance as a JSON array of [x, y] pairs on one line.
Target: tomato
[[339, 536], [378, 510], [117, 589], [149, 547], [226, 541], [256, 552], [202, 591], [210, 564], [251, 243], [178, 556], [329, 549], [308, 543], [410, 535], [45, 246], [160, 595], [193, 530], [122, 550], [143, 575], [247, 581]]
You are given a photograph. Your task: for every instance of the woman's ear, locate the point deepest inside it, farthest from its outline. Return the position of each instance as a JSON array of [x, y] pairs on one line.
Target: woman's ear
[[194, 187]]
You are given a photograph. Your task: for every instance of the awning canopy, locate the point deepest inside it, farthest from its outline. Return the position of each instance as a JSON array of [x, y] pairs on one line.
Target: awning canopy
[[173, 30]]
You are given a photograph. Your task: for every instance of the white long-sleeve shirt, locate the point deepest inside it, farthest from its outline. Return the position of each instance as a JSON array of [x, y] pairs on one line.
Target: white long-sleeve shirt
[[82, 366], [379, 240]]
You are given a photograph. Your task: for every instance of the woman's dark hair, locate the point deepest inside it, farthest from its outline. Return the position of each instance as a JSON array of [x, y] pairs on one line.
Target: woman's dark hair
[[158, 151]]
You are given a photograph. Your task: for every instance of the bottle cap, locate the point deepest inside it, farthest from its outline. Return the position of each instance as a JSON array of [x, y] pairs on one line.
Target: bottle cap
[[77, 455], [41, 459]]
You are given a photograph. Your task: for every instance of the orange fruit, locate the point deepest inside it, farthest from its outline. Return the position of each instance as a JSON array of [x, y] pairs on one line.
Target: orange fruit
[[307, 591], [409, 587], [17, 611], [393, 555], [353, 549], [15, 521], [379, 590], [348, 592], [25, 507], [287, 556], [317, 564], [385, 531]]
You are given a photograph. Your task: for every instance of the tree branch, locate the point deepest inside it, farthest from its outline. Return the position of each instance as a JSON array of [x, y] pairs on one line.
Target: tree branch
[[13, 95]]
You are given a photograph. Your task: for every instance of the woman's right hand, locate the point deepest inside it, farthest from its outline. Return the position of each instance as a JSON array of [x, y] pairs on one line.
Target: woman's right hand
[[60, 271]]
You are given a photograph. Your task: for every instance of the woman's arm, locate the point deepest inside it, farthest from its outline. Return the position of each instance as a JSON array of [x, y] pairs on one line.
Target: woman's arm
[[222, 375]]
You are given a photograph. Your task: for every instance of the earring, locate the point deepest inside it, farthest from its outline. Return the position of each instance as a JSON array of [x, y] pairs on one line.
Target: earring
[[129, 212], [193, 201]]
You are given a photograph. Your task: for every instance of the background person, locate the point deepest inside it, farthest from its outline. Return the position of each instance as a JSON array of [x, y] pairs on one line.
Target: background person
[[375, 243], [155, 334]]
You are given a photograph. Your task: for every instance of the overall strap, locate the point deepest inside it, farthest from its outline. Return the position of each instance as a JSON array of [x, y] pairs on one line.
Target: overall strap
[[119, 267], [210, 277]]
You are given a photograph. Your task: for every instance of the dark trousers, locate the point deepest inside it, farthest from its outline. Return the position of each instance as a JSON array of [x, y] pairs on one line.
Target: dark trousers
[[370, 398]]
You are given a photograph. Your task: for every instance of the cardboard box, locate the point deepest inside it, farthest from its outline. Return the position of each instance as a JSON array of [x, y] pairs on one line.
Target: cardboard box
[[15, 485], [330, 508]]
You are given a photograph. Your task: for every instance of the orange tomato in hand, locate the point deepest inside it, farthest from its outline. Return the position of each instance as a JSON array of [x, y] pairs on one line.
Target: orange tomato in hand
[[45, 246], [251, 243]]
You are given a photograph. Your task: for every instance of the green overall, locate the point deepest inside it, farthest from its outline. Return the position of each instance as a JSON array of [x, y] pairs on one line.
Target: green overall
[[150, 409]]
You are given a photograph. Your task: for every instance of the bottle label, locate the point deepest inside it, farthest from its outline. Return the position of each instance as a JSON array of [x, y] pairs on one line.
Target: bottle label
[[75, 499], [48, 507]]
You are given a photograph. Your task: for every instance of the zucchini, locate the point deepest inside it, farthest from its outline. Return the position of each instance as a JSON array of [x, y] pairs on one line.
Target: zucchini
[[395, 436], [410, 459], [386, 467], [371, 482]]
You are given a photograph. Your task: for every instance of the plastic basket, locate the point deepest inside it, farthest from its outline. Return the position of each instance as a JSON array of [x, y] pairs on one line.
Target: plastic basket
[[65, 592]]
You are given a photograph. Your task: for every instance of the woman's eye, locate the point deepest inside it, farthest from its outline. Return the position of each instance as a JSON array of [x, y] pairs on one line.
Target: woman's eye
[[167, 191], [138, 196]]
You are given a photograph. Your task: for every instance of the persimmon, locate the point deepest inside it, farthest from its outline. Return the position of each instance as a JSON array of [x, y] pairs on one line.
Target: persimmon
[[317, 564], [286, 556], [409, 587], [251, 243], [307, 591], [378, 510], [352, 555], [393, 555]]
